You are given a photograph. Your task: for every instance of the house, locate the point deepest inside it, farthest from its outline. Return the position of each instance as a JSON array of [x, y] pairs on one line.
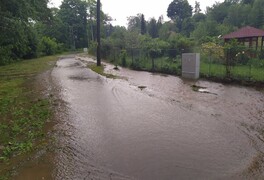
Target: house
[[249, 36]]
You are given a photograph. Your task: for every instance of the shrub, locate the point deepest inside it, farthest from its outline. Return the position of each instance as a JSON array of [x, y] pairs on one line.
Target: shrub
[[48, 46], [5, 54], [123, 56], [92, 48]]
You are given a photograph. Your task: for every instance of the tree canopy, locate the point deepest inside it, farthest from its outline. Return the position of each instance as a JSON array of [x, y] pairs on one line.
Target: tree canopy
[[29, 28]]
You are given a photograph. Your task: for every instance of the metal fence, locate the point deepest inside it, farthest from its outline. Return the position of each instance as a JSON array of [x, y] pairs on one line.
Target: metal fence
[[244, 65], [234, 63]]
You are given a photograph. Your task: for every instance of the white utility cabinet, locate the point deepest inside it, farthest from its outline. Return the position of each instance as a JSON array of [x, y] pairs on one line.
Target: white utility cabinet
[[191, 65]]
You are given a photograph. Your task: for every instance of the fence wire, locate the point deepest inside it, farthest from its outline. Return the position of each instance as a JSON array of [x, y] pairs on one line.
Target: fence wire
[[230, 63]]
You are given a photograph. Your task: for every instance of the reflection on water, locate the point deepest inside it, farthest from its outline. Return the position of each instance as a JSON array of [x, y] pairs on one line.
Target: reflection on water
[[116, 130]]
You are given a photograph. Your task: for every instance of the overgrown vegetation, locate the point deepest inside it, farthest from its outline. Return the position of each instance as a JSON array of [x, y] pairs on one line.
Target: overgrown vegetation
[[152, 44], [23, 111], [156, 45]]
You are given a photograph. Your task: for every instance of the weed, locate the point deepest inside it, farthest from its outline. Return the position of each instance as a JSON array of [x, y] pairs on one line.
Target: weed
[[100, 70], [22, 117]]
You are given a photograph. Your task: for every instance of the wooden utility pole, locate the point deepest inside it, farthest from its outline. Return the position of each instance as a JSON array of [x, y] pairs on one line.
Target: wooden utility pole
[[98, 33]]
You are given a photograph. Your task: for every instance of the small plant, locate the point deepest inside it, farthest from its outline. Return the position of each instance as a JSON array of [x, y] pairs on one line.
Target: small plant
[[123, 56], [100, 70]]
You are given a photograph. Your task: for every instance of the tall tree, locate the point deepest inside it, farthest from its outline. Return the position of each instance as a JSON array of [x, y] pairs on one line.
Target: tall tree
[[143, 26], [153, 28], [74, 14], [257, 14], [197, 8], [179, 10], [17, 36], [219, 11], [134, 23], [247, 1]]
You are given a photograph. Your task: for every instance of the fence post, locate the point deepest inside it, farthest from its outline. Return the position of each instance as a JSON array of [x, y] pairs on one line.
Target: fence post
[[210, 63], [132, 54]]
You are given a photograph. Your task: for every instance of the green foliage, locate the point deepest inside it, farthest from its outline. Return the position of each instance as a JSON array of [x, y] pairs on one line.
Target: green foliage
[[100, 70], [106, 46], [143, 26], [123, 56], [18, 38], [257, 14], [179, 10], [261, 55], [153, 28], [205, 29], [213, 52], [48, 46], [92, 48], [179, 44], [134, 23], [23, 112], [5, 54], [73, 13]]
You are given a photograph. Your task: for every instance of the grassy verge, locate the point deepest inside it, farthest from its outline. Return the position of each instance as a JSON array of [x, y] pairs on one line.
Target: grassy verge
[[23, 112], [241, 72], [100, 70]]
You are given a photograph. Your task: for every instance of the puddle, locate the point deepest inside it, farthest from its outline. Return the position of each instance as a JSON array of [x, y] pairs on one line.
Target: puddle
[[114, 131]]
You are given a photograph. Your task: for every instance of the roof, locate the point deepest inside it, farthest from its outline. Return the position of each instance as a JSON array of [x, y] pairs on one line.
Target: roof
[[245, 32]]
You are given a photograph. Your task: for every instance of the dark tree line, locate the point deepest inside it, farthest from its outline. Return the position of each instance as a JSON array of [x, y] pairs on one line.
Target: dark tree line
[[29, 28]]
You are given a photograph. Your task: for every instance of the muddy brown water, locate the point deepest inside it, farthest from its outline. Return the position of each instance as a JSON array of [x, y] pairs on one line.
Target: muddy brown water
[[115, 129]]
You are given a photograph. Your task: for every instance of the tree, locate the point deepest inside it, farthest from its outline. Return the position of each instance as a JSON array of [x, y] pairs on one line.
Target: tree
[[55, 28], [143, 27], [154, 48], [74, 15], [257, 14], [219, 11], [187, 26], [205, 29], [91, 24], [153, 28], [179, 10], [134, 23], [48, 46], [18, 38], [197, 8], [238, 15], [247, 1]]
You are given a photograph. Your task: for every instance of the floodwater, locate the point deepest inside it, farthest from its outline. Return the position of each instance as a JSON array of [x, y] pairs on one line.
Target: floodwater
[[154, 127]]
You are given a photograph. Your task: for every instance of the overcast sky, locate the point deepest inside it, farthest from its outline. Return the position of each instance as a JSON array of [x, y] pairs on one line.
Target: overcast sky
[[121, 9]]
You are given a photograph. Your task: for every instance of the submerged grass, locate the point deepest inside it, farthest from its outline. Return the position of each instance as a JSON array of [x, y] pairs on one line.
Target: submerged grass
[[100, 70], [23, 113]]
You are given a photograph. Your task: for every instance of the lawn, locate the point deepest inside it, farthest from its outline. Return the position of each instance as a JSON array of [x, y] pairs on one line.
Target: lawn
[[23, 111], [241, 72]]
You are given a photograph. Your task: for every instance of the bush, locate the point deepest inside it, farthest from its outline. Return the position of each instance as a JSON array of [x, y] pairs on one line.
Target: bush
[[261, 55], [92, 48], [48, 46], [258, 63], [123, 56], [5, 54]]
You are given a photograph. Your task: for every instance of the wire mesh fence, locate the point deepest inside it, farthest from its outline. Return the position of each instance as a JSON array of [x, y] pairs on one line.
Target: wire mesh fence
[[230, 63], [238, 63]]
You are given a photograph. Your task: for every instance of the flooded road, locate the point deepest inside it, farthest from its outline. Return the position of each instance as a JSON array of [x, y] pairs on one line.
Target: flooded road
[[148, 126]]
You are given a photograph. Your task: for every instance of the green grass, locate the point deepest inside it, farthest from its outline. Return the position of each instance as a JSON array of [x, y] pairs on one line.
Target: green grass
[[161, 64], [100, 70], [23, 112], [240, 72]]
